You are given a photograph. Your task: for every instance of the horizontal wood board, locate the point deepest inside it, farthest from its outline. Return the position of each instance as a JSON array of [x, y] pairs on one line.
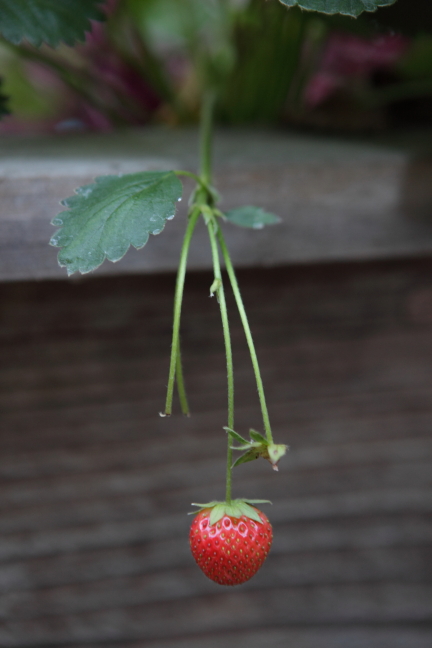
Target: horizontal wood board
[[338, 200], [95, 486]]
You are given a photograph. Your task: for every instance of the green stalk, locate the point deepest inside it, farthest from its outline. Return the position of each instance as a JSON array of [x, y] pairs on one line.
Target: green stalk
[[249, 339], [180, 384], [206, 168], [201, 197], [220, 294], [178, 299]]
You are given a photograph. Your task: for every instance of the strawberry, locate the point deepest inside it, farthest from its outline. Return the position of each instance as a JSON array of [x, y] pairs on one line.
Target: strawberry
[[230, 542]]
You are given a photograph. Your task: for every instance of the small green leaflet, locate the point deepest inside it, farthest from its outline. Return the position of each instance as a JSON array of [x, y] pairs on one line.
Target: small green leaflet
[[47, 21], [106, 217], [345, 7], [256, 436], [249, 216], [236, 435]]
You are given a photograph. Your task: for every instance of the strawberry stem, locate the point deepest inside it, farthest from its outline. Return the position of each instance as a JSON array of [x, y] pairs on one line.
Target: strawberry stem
[[180, 384], [220, 294], [248, 334], [202, 196], [178, 299]]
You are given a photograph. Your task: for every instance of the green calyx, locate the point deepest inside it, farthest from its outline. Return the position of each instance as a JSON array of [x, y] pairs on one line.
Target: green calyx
[[235, 509], [257, 447]]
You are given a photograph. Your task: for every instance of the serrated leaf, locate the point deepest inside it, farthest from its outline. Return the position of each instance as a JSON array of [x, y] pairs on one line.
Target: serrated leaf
[[106, 217], [236, 435], [47, 21], [344, 7], [252, 217], [256, 436]]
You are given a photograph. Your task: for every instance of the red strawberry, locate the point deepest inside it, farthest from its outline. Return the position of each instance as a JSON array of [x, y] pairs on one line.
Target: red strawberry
[[228, 548]]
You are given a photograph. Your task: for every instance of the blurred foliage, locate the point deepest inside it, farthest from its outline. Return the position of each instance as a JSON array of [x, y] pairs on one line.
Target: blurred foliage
[[4, 102], [151, 59]]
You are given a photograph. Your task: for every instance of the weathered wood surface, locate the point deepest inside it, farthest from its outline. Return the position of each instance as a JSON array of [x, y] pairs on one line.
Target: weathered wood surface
[[95, 485], [337, 200]]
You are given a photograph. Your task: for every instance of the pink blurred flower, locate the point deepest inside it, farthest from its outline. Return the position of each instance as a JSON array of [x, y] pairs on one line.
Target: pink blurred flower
[[346, 57]]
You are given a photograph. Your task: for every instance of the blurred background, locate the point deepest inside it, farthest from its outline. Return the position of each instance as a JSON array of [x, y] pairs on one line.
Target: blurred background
[[147, 64], [95, 486]]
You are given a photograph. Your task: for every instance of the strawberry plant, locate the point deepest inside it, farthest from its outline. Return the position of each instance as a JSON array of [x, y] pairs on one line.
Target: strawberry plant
[[229, 540]]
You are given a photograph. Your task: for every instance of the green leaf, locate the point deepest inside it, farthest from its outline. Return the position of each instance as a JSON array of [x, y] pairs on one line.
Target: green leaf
[[236, 436], [255, 501], [250, 455], [249, 511], [345, 7], [217, 513], [256, 436], [245, 446], [249, 216], [47, 21], [106, 217]]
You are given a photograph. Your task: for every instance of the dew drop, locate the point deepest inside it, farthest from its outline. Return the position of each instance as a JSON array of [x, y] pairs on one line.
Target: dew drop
[[172, 216], [156, 232], [257, 226]]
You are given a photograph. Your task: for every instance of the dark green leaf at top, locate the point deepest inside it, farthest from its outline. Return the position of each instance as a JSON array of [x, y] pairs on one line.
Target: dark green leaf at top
[[48, 21], [106, 217], [344, 7], [249, 216]]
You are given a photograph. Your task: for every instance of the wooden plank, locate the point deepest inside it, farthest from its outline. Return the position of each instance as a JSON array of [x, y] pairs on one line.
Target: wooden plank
[[298, 541], [338, 200], [300, 570], [113, 533], [95, 485], [376, 603], [316, 637]]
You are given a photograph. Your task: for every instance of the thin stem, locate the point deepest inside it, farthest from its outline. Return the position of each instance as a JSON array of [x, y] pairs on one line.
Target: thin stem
[[249, 339], [178, 298], [202, 196], [194, 176], [180, 384], [220, 293]]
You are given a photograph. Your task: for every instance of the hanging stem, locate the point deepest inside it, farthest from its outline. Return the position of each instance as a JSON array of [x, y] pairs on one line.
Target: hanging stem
[[249, 339], [178, 299], [180, 384], [220, 294], [201, 196]]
